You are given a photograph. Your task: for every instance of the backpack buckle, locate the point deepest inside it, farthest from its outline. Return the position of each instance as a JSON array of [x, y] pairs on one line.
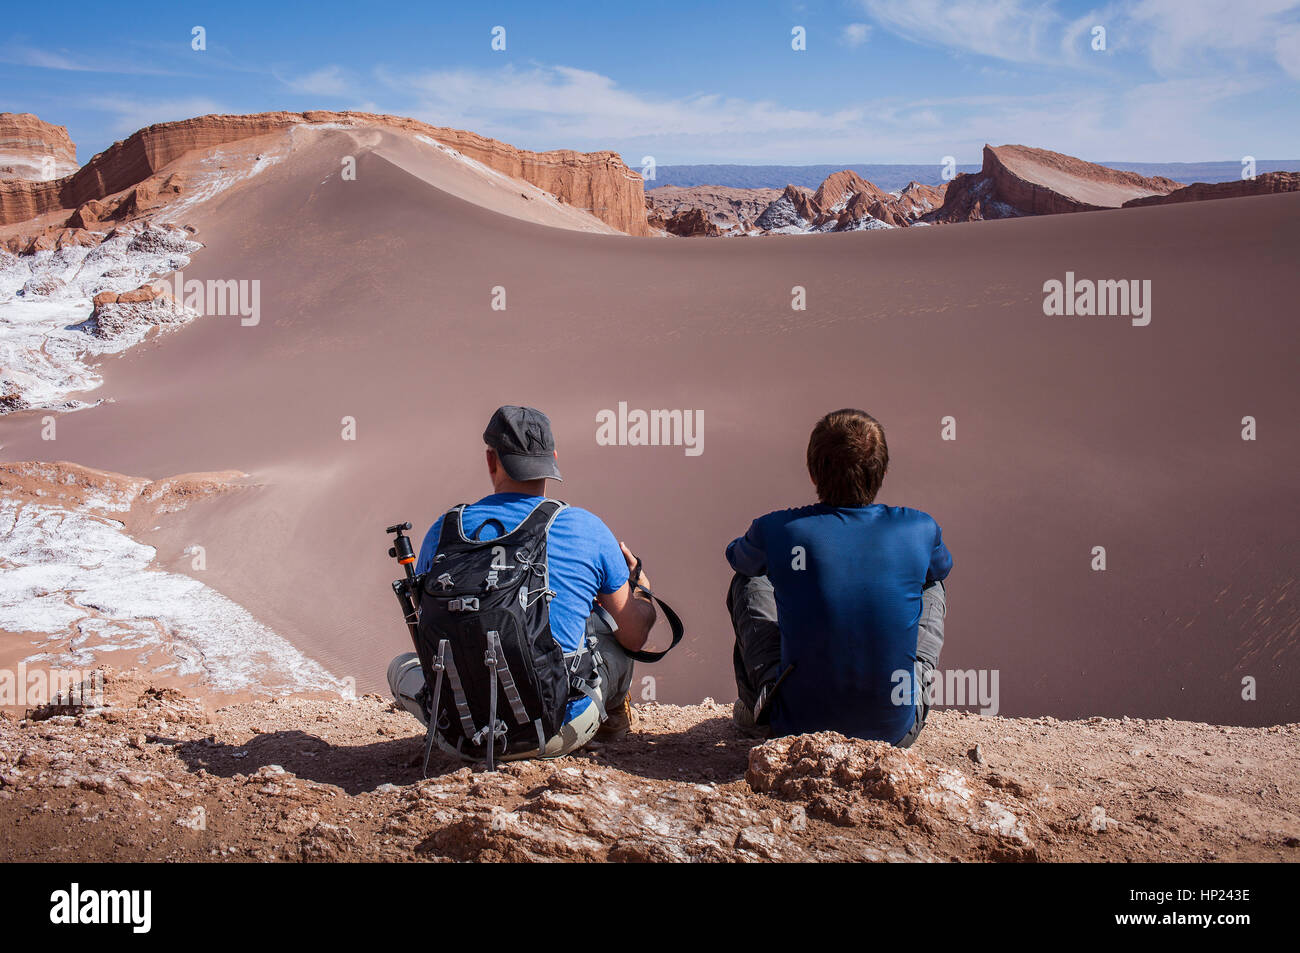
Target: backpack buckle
[[466, 604], [444, 581]]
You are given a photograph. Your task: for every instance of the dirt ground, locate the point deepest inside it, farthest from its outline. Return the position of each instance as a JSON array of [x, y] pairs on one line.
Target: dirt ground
[[154, 775]]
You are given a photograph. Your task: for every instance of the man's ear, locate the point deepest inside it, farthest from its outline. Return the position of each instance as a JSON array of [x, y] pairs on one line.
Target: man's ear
[[492, 463]]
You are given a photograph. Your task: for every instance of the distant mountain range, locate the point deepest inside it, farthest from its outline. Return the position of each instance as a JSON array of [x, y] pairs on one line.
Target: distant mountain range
[[893, 178]]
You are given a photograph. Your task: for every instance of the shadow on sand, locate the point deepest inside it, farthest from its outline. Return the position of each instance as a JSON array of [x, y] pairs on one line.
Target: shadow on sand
[[711, 751]]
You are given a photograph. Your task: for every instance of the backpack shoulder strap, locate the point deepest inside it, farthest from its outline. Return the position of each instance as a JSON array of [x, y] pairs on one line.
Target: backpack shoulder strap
[[540, 519], [452, 531]]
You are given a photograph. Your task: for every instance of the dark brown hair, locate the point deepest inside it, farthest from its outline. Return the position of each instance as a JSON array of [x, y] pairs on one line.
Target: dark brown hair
[[848, 457]]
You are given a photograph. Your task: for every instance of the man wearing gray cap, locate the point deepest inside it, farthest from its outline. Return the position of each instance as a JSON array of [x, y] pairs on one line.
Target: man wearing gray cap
[[592, 605]]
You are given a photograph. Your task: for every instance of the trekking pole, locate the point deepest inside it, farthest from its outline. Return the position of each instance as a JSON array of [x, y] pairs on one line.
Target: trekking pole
[[406, 588]]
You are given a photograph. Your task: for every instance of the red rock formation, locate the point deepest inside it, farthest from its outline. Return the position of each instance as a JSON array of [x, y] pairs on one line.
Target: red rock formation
[[1039, 182], [843, 202], [1019, 180], [970, 198], [839, 188], [794, 207], [727, 210], [598, 182], [52, 237], [79, 237], [33, 149], [803, 201], [142, 295], [1266, 184], [656, 216], [116, 313], [918, 199], [21, 200], [692, 223], [847, 202]]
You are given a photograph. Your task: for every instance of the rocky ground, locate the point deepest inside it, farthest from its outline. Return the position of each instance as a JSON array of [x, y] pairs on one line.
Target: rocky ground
[[154, 775]]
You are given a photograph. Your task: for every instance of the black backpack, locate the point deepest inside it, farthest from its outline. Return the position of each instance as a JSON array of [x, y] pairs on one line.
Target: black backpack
[[496, 681]]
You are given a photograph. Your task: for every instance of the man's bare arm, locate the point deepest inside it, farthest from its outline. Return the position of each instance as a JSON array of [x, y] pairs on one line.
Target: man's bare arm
[[632, 611]]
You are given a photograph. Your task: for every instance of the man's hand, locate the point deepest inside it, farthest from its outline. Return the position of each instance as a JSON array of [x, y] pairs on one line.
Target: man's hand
[[644, 580]]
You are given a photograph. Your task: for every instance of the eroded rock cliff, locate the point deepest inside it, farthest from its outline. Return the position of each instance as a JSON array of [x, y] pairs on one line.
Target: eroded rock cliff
[[597, 182]]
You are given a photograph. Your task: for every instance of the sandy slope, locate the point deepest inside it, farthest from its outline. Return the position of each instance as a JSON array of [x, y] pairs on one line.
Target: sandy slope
[[78, 589], [156, 776], [1072, 432]]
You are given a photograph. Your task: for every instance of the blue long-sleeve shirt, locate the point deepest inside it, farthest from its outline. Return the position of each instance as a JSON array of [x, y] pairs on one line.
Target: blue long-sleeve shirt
[[848, 584]]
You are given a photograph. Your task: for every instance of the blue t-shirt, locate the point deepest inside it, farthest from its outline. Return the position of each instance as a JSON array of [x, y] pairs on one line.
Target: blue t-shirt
[[848, 583], [582, 556]]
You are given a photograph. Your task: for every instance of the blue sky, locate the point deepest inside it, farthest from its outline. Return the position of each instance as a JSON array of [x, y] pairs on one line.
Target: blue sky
[[880, 81]]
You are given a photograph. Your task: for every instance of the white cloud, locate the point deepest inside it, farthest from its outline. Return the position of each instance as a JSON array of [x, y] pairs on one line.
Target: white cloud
[[1013, 30], [1189, 35], [61, 60], [545, 107], [44, 59], [130, 115], [574, 104], [1173, 36], [1288, 51], [855, 34], [326, 81]]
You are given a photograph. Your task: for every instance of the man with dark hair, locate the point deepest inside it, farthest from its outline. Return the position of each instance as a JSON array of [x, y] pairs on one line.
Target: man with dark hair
[[838, 607], [592, 603]]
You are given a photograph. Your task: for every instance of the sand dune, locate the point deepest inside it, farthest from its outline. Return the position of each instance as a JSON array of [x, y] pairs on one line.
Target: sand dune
[[1071, 432]]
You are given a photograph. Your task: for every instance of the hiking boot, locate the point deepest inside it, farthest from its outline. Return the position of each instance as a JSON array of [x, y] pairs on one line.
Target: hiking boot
[[618, 721], [743, 718]]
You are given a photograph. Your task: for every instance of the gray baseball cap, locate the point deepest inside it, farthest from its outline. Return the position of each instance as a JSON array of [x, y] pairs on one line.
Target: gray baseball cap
[[522, 439]]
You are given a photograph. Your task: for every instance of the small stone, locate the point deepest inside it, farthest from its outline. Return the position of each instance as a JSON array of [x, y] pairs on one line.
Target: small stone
[[976, 754], [1098, 822], [196, 820], [758, 840]]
